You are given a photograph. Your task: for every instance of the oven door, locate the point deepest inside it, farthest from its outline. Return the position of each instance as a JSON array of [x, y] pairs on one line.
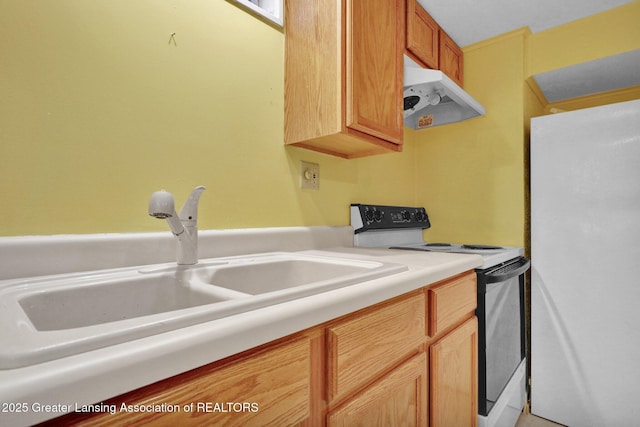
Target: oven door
[[501, 334]]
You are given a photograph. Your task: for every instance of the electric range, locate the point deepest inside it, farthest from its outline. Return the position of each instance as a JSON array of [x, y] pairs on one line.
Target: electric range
[[400, 227], [502, 391]]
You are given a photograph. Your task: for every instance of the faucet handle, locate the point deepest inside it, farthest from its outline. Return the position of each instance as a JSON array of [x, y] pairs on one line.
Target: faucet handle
[[189, 212]]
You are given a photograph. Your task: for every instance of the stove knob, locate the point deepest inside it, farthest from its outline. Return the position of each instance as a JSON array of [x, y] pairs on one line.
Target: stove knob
[[406, 215], [419, 216], [378, 215], [368, 215]]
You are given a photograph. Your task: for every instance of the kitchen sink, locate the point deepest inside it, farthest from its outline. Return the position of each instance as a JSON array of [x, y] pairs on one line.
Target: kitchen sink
[[97, 303], [277, 273], [42, 319]]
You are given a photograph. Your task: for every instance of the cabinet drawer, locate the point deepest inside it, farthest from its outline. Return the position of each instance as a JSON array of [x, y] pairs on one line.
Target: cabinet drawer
[[450, 302], [362, 346]]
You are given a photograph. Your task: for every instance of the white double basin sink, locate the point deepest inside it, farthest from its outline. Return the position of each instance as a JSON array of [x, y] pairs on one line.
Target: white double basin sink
[[51, 317]]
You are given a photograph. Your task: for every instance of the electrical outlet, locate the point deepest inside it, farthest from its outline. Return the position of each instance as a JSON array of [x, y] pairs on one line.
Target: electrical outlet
[[309, 175]]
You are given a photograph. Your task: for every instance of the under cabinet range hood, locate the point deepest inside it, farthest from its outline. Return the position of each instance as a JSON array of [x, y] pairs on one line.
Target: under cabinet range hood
[[432, 99]]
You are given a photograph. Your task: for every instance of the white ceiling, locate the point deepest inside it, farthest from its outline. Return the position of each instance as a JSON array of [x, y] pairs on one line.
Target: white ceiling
[[600, 75], [471, 21]]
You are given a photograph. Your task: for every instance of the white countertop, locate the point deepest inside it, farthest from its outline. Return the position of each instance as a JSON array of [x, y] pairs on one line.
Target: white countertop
[[107, 372]]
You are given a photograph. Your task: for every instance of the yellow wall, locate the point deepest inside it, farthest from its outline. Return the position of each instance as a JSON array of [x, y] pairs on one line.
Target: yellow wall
[[99, 108], [608, 33], [470, 175], [473, 176]]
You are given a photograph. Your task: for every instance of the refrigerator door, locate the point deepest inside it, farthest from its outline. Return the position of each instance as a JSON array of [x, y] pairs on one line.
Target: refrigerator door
[[585, 253]]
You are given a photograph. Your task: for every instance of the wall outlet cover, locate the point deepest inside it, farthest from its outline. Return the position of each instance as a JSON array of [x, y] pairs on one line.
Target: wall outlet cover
[[309, 175]]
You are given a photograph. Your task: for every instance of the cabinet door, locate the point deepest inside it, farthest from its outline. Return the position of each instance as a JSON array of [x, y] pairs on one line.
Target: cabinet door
[[399, 399], [270, 387], [364, 346], [451, 59], [422, 35], [454, 377], [374, 68]]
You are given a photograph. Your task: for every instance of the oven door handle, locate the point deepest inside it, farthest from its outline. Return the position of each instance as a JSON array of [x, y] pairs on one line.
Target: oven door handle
[[507, 270]]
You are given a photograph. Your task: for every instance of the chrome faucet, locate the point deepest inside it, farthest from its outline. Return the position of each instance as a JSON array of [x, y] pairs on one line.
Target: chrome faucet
[[184, 226]]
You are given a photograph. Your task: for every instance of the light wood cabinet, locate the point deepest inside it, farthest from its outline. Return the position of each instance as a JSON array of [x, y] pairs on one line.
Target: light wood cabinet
[[451, 301], [361, 347], [343, 76], [454, 377], [430, 46], [451, 59], [411, 360], [344, 71], [396, 400], [423, 38], [381, 337], [453, 355], [269, 386]]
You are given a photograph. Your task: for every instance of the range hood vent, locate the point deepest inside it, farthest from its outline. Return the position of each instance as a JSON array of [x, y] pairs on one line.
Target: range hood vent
[[433, 99]]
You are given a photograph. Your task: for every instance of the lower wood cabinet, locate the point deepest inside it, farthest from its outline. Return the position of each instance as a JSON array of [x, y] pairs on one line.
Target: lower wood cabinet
[[454, 377], [362, 347], [409, 361], [271, 386], [450, 302], [395, 400]]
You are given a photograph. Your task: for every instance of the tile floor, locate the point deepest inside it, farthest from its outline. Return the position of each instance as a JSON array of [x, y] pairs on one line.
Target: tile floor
[[528, 420]]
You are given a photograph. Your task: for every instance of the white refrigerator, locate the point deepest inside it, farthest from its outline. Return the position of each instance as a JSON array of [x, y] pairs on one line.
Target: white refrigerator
[[585, 271]]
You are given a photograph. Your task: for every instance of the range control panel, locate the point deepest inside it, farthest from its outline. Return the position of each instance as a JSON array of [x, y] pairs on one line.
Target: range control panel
[[377, 217]]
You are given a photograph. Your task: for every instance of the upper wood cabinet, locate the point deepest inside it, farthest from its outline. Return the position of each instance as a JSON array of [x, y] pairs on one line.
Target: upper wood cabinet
[[430, 46], [423, 41], [344, 75], [451, 58]]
